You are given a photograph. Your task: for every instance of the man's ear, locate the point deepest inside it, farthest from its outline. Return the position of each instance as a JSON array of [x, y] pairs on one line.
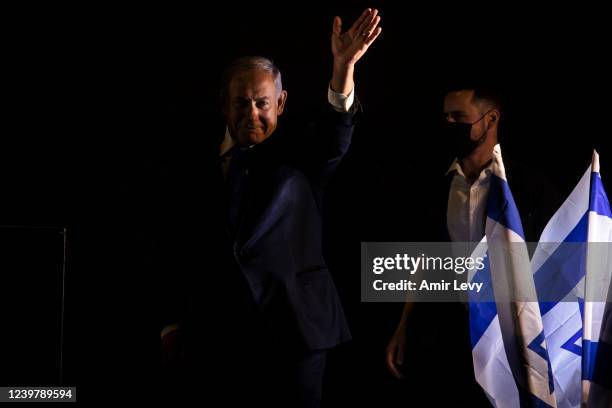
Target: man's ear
[[494, 117], [282, 98]]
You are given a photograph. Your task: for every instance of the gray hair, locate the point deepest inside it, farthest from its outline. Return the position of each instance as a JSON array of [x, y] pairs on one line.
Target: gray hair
[[250, 63]]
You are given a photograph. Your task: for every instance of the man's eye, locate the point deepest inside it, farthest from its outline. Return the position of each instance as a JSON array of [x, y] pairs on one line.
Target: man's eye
[[263, 104]]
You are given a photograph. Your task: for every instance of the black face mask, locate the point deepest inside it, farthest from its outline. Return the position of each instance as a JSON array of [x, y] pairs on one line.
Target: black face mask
[[457, 137]]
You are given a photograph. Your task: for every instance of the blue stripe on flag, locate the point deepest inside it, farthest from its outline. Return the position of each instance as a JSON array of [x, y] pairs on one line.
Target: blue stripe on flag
[[563, 269], [501, 206], [598, 201], [580, 231], [481, 316], [481, 313]]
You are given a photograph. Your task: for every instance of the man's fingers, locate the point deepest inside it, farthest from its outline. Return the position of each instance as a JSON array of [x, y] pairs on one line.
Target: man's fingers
[[337, 29], [366, 22], [391, 364], [371, 27], [355, 27], [373, 36], [400, 355]]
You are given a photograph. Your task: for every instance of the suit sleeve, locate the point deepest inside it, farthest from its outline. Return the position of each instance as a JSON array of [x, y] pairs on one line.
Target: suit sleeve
[[323, 143]]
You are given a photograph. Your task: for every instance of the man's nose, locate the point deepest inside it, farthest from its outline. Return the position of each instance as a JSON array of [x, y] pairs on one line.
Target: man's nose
[[252, 110], [448, 118]]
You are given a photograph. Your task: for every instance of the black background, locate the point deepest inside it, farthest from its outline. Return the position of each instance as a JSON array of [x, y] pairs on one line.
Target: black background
[[102, 106]]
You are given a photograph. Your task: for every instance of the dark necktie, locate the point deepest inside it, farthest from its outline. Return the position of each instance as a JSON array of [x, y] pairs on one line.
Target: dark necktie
[[236, 186]]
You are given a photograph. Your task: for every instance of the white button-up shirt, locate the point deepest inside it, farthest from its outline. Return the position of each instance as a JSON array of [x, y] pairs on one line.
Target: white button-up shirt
[[467, 205]]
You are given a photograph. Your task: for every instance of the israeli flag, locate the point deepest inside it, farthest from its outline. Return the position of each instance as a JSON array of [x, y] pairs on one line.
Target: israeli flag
[[574, 272], [508, 345], [491, 367]]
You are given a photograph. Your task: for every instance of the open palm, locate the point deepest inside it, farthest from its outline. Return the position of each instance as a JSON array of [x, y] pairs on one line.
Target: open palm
[[349, 47]]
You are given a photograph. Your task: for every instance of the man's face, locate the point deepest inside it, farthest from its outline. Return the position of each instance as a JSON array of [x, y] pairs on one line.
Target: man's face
[[253, 106], [459, 107]]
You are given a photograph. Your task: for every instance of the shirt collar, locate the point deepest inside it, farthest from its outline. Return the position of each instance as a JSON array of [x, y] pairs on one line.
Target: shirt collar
[[227, 143], [456, 166]]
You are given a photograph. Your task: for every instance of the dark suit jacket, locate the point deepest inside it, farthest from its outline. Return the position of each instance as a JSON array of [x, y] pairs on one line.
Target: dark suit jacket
[[269, 275]]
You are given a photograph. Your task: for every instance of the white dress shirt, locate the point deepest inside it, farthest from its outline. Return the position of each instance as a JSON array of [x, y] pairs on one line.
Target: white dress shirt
[[467, 204]]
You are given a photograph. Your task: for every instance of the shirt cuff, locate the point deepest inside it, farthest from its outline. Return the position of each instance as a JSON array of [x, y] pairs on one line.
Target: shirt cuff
[[340, 102]]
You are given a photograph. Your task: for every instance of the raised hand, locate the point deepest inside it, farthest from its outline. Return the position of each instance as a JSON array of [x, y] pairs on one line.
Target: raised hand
[[349, 47]]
